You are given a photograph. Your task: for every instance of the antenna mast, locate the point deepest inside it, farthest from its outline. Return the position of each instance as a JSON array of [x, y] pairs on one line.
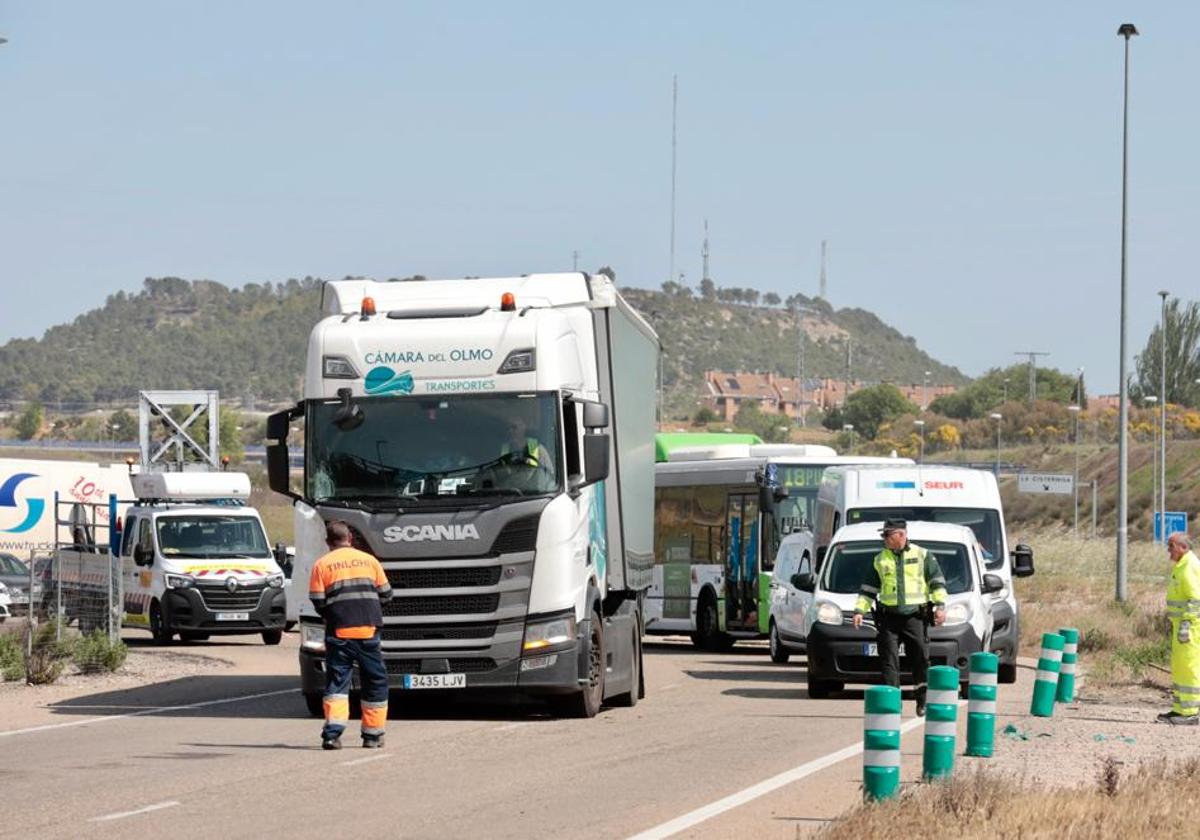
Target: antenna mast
[[674, 111], [1032, 354], [823, 290]]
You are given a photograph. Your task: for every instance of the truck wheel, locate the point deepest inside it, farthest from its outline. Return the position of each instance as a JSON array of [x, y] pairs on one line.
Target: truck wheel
[[315, 704], [779, 654], [1008, 673], [630, 699], [158, 625], [272, 637], [586, 703]]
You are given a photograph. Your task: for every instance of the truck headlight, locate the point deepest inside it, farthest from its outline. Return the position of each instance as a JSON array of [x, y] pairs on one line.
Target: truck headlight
[[179, 581], [958, 614], [312, 637], [546, 633], [829, 613], [275, 581]]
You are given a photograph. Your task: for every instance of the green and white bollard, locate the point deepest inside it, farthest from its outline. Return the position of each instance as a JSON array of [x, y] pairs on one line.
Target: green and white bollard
[[941, 722], [1066, 674], [1045, 687], [981, 704], [881, 742]]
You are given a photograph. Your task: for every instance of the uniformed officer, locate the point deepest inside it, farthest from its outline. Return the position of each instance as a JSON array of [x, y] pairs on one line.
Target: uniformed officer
[[903, 584], [347, 588]]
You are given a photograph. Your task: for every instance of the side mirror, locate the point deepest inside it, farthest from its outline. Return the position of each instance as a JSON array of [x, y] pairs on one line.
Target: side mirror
[[992, 583], [1022, 557], [142, 557], [595, 415], [282, 560], [804, 582], [821, 556], [595, 458], [279, 467], [781, 494]]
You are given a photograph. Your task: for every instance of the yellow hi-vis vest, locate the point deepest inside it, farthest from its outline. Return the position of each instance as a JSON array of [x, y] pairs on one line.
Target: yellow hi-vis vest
[[531, 451], [903, 582], [1183, 593]]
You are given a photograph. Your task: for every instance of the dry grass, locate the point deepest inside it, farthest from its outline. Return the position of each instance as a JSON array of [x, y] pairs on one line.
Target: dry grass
[[1157, 800], [1074, 587]]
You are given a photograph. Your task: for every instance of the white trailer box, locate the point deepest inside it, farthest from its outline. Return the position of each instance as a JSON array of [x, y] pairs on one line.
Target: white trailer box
[[27, 488]]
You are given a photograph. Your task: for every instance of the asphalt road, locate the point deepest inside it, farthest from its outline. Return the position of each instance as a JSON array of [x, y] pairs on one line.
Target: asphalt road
[[234, 754]]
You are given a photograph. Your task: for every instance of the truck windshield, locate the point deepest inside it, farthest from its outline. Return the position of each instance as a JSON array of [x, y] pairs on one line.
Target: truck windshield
[[212, 537], [848, 564], [415, 449], [985, 522]]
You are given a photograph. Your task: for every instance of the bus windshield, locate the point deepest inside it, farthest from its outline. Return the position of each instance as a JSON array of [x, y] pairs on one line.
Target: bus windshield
[[212, 537], [985, 522], [411, 449], [848, 564]]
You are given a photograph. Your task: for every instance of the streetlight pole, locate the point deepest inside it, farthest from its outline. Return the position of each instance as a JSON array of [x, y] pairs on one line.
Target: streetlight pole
[[1162, 414], [1152, 401], [920, 424], [925, 391], [849, 427], [997, 416], [1074, 409], [1127, 31]]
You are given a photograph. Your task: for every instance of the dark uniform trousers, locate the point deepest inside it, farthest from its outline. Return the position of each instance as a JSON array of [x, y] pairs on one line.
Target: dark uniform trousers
[[893, 628]]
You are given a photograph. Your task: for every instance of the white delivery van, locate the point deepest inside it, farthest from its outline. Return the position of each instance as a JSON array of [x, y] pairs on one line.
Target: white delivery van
[[838, 652], [789, 604], [195, 561], [954, 495]]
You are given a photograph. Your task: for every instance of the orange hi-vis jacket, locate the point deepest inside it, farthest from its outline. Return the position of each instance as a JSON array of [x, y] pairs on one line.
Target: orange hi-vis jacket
[[347, 589]]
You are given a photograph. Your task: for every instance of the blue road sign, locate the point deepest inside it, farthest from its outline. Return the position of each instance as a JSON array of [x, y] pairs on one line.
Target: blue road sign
[[1176, 521]]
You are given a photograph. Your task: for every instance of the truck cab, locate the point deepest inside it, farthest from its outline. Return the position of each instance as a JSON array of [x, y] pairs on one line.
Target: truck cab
[[195, 560]]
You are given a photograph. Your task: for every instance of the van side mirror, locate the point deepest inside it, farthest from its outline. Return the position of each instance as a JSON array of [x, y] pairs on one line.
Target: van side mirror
[[282, 560], [804, 582], [142, 557], [992, 583], [1022, 557], [821, 556]]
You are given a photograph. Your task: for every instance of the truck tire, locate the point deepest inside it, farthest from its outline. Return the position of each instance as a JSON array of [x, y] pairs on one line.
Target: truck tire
[[586, 703], [1007, 673], [315, 704], [158, 625], [779, 654], [630, 699], [272, 637]]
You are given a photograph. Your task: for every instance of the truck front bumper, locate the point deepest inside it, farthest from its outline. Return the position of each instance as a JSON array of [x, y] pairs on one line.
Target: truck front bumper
[[839, 652], [187, 612]]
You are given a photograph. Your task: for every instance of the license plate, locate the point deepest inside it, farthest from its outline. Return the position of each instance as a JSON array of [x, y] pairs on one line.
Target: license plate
[[872, 649], [435, 680], [233, 616]]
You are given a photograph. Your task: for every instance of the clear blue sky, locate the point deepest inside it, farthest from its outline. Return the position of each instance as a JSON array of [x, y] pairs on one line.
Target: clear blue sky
[[962, 159]]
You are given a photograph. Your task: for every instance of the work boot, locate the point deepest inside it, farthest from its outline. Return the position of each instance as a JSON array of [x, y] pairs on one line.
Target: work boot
[[373, 742], [331, 743], [920, 707], [1166, 717], [1185, 720]]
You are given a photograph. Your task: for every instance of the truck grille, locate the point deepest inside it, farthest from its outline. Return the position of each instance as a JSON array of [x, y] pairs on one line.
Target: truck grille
[[438, 632], [442, 605], [243, 599], [443, 578], [463, 665]]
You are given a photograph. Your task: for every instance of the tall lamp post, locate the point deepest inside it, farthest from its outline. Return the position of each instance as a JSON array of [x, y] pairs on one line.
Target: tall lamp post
[[1152, 401], [997, 416], [925, 391], [920, 424], [1126, 31], [1162, 416], [849, 427], [1074, 409]]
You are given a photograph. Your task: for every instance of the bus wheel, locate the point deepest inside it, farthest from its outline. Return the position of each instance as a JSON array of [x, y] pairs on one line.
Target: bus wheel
[[708, 635], [158, 625], [779, 654]]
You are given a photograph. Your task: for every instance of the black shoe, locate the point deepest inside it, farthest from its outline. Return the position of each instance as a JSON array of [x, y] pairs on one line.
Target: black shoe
[[373, 743], [1166, 717], [1185, 720], [331, 743], [920, 708]]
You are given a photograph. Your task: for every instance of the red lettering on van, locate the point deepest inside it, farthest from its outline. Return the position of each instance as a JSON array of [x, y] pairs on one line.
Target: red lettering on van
[[944, 485]]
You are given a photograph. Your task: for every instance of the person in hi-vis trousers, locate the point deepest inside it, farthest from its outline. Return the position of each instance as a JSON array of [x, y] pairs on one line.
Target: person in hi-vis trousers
[[347, 589]]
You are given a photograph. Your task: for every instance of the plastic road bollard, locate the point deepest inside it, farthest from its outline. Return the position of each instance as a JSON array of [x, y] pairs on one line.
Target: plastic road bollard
[[1045, 687], [941, 722], [881, 742], [981, 704], [1066, 674]]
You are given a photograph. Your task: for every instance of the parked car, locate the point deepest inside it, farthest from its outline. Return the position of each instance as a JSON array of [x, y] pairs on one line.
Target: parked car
[[839, 653], [789, 604], [14, 580]]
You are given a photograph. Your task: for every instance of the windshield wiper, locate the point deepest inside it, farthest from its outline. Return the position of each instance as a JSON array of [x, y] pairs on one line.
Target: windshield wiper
[[360, 504]]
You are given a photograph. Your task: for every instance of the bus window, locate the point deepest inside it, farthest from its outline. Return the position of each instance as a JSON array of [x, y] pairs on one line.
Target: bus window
[[672, 525]]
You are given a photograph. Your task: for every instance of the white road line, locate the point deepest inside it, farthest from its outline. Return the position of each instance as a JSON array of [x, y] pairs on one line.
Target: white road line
[[141, 712], [158, 806], [509, 727], [753, 792], [367, 760], [667, 687]]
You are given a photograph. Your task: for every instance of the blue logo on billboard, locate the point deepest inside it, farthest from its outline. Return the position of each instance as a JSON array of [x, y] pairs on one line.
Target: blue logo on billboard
[[384, 380], [8, 499]]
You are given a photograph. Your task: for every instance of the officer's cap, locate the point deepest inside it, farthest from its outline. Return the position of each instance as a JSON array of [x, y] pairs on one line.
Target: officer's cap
[[895, 524]]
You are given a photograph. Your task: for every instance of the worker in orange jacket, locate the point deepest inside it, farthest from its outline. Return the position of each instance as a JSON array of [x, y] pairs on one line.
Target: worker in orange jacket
[[347, 589]]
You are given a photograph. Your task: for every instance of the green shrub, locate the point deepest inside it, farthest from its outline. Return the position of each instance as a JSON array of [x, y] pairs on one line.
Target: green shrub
[[48, 654], [12, 659], [95, 653]]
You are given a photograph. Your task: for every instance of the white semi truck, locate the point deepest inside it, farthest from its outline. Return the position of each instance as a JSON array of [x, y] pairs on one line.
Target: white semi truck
[[491, 441]]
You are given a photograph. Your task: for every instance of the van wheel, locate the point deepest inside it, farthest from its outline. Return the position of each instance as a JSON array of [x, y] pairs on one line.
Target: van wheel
[[822, 689], [190, 636], [1007, 673], [630, 699], [779, 654], [586, 703], [158, 625], [272, 637]]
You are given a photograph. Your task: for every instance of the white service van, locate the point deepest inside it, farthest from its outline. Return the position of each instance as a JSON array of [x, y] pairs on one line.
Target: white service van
[[838, 652], [953, 495], [195, 561], [789, 605]]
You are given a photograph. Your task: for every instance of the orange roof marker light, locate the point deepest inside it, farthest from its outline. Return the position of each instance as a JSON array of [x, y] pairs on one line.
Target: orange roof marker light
[[368, 306], [508, 302]]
